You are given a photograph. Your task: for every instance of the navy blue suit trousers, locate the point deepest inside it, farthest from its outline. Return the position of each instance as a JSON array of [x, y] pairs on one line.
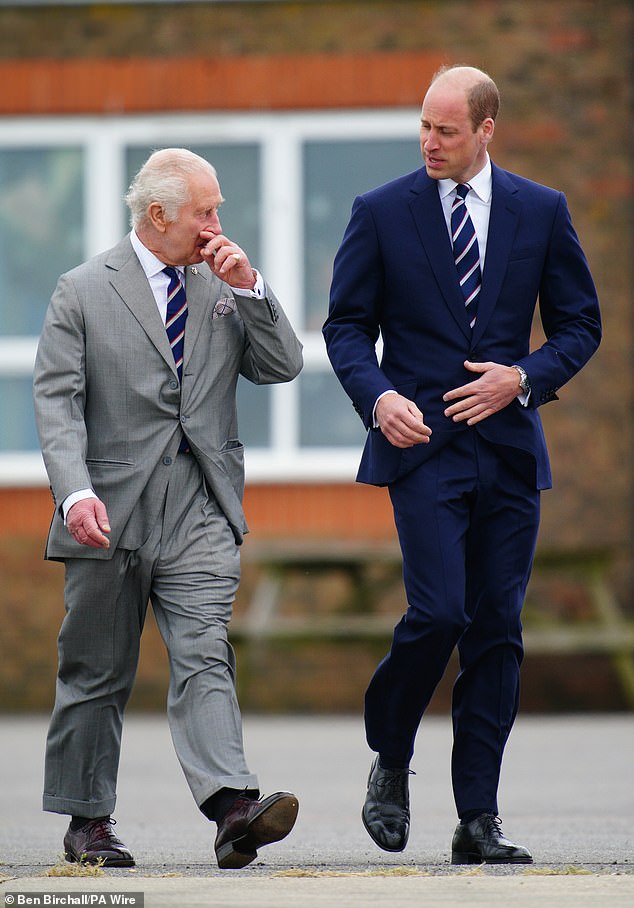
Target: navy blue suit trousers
[[467, 523]]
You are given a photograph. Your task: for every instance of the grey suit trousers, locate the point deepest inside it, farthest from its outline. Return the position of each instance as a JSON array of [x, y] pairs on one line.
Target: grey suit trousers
[[189, 569]]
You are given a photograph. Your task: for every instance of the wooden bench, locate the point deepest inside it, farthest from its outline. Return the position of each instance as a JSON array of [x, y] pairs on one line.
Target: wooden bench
[[357, 616]]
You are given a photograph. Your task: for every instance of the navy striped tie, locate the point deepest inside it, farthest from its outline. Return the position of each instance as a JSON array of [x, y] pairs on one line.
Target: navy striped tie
[[466, 252], [175, 327], [176, 317]]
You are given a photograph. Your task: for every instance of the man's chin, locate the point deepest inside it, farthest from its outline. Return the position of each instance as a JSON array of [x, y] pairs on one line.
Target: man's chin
[[434, 172]]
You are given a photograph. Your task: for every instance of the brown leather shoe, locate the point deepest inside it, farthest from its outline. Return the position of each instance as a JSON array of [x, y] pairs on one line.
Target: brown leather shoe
[[96, 843], [249, 824]]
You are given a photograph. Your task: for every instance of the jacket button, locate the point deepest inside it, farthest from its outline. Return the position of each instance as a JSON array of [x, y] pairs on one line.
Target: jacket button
[[173, 384], [167, 461]]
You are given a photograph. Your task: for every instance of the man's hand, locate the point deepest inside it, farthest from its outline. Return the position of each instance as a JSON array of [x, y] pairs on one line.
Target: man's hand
[[495, 389], [401, 421], [228, 261], [87, 521]]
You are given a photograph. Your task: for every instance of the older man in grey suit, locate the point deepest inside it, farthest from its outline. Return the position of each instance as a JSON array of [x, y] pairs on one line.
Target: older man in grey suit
[[139, 435]]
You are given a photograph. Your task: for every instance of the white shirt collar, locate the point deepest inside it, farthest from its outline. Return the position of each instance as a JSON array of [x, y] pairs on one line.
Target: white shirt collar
[[149, 262], [481, 184]]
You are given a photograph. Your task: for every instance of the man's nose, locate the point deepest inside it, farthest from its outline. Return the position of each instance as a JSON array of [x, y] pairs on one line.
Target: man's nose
[[214, 224]]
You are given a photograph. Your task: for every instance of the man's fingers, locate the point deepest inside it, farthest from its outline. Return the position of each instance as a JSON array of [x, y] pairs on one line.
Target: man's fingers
[[87, 521], [401, 421], [455, 393], [101, 516], [92, 530], [88, 533]]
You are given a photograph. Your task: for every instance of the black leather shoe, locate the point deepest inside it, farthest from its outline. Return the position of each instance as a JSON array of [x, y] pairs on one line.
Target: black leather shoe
[[386, 810], [96, 843], [481, 842], [249, 824]]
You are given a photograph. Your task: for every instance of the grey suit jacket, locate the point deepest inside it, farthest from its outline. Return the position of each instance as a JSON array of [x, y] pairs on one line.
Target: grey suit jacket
[[109, 407]]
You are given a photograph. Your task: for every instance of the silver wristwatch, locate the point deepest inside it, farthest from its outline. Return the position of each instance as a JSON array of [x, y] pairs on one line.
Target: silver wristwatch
[[525, 383]]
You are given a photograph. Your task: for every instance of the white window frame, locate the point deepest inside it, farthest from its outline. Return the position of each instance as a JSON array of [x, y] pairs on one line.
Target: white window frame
[[281, 137]]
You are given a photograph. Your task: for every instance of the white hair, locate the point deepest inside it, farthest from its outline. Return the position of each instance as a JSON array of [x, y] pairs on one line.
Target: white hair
[[164, 178]]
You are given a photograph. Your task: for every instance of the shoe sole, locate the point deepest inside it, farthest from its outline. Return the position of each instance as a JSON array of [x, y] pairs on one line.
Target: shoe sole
[[273, 822], [101, 860], [461, 857]]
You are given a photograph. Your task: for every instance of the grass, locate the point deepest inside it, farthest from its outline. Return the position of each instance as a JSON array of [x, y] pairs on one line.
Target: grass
[[64, 868]]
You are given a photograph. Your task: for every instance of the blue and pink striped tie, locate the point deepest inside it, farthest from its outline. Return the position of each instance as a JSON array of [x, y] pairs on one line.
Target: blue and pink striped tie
[[175, 327], [176, 317], [466, 252]]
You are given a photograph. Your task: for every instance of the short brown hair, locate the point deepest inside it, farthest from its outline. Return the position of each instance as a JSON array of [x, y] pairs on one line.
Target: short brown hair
[[484, 101]]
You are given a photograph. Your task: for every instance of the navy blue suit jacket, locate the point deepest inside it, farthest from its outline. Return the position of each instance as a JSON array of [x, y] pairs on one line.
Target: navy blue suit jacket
[[394, 275]]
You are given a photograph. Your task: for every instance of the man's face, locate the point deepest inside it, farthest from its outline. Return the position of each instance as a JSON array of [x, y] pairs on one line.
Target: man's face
[[449, 146], [181, 241]]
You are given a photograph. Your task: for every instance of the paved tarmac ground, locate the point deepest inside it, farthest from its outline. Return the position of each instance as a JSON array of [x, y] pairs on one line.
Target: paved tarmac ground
[[567, 793]]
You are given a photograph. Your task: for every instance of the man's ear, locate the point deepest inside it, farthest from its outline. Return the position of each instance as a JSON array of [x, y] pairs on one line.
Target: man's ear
[[156, 216], [488, 128]]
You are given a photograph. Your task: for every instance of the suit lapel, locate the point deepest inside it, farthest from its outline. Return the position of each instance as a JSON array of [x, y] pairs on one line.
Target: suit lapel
[[430, 223], [505, 209], [129, 280], [198, 288]]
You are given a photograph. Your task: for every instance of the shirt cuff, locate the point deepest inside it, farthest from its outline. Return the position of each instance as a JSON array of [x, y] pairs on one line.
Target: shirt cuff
[[375, 424], [73, 498], [258, 292]]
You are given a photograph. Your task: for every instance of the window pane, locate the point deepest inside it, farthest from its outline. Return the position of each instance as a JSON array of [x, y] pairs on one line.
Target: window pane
[[16, 415], [334, 173], [238, 168], [327, 418], [41, 230], [254, 413]]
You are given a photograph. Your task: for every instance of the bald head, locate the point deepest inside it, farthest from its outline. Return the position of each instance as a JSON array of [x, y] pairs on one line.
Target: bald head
[[479, 89]]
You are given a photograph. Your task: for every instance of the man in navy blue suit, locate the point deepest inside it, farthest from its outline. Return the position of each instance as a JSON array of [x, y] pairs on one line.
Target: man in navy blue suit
[[447, 265]]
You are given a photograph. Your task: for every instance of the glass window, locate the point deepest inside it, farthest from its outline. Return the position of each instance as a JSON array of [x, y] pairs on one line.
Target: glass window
[[327, 418], [335, 172], [41, 230], [16, 414], [289, 181]]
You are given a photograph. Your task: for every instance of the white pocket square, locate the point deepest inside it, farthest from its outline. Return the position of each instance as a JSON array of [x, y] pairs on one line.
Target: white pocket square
[[224, 306]]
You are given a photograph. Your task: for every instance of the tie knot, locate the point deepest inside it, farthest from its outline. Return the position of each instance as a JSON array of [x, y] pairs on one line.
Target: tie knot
[[171, 272], [463, 189]]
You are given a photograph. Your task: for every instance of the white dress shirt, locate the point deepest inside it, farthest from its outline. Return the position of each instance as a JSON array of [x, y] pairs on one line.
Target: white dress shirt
[[478, 203]]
